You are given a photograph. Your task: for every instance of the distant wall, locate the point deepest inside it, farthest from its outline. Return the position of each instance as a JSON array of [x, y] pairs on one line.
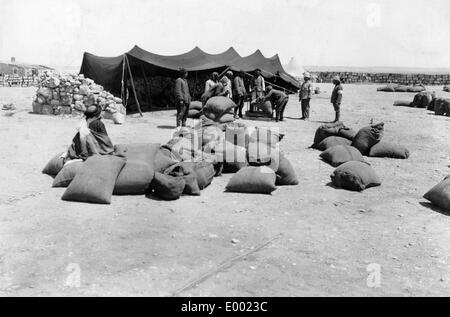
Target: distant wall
[[405, 79]]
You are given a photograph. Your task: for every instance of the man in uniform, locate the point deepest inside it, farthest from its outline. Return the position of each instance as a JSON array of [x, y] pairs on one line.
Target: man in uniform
[[239, 93], [183, 98], [259, 84], [305, 95], [336, 97], [279, 101], [229, 77]]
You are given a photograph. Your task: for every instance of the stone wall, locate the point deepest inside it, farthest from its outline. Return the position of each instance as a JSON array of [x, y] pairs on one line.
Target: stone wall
[[404, 79]]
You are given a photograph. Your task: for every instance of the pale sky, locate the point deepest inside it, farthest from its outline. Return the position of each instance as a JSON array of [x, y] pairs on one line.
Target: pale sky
[[407, 33]]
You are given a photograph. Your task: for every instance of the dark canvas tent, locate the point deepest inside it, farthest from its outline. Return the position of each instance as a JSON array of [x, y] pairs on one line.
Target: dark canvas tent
[[150, 72]]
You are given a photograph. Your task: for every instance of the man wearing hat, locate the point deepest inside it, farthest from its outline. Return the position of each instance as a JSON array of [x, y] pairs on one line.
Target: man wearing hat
[[239, 93], [183, 97], [229, 76], [305, 95], [278, 99], [336, 97], [259, 84]]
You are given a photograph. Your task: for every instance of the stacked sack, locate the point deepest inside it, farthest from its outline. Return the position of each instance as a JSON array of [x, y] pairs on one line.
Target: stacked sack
[[195, 109], [186, 164], [219, 109], [60, 94], [439, 195], [440, 106], [344, 148], [401, 88]]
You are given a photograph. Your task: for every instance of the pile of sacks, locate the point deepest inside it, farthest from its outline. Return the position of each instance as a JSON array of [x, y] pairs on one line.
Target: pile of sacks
[[133, 169], [186, 164], [344, 148], [428, 100], [439, 195], [60, 94], [423, 99], [401, 88], [440, 106], [218, 109]]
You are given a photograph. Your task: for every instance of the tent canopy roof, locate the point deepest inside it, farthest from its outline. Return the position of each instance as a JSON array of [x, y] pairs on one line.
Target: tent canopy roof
[[196, 60]]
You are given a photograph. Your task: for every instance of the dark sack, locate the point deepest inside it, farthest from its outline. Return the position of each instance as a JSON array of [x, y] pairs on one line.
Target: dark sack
[[67, 174], [355, 176], [95, 181], [163, 159], [218, 106], [265, 107], [386, 149], [439, 195], [185, 170], [439, 108], [332, 141], [54, 165], [205, 173], [285, 175], [347, 133], [134, 178], [368, 137], [253, 180], [326, 130], [259, 154], [167, 187], [341, 154]]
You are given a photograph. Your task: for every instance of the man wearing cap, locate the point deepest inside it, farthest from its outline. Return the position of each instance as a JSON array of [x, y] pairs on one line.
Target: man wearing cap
[[305, 95], [212, 82], [259, 84], [278, 99], [239, 93], [336, 97], [229, 76], [183, 98]]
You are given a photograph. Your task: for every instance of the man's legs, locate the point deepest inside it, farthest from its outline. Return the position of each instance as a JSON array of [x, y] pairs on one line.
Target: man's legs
[[307, 107], [179, 114], [337, 109], [241, 105], [185, 112]]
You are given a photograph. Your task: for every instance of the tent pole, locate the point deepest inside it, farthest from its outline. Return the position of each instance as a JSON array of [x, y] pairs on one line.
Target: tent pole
[[147, 87], [122, 91], [134, 89], [223, 73]]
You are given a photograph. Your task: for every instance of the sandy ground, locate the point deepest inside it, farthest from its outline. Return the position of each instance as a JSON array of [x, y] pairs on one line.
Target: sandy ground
[[325, 239]]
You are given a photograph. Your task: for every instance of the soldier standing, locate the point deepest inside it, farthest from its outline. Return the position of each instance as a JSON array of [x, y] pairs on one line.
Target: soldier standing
[[336, 97]]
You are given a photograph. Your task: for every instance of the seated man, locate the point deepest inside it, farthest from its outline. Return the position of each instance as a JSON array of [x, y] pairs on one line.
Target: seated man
[[278, 99], [91, 138]]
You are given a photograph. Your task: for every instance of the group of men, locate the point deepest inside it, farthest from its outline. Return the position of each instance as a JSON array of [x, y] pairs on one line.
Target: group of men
[[232, 86]]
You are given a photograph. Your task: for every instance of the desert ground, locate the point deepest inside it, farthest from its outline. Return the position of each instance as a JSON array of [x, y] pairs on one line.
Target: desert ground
[[305, 240]]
